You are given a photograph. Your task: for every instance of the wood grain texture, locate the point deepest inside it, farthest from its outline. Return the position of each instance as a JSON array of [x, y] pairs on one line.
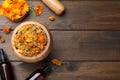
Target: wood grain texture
[[85, 15], [72, 70], [86, 38], [79, 45]]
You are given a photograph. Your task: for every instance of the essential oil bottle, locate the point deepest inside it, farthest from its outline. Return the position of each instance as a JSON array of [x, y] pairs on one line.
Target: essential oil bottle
[[39, 74], [6, 71]]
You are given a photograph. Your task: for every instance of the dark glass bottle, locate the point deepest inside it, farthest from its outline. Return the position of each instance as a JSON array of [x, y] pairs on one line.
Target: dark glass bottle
[[39, 74], [6, 71]]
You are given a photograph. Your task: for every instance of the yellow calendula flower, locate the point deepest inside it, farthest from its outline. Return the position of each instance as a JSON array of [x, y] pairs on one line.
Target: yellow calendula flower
[[22, 0], [25, 8], [6, 3], [14, 9]]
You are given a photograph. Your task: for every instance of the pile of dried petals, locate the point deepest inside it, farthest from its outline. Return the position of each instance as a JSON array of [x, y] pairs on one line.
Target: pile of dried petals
[[14, 9]]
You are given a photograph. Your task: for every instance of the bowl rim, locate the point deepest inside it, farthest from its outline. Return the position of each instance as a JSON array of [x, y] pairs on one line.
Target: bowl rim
[[40, 56]]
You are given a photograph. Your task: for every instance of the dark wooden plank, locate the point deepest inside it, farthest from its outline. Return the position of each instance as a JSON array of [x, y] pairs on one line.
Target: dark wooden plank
[[80, 14], [72, 70], [79, 45]]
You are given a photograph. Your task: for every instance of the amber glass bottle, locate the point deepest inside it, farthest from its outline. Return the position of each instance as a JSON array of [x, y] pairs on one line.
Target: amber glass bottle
[[39, 74]]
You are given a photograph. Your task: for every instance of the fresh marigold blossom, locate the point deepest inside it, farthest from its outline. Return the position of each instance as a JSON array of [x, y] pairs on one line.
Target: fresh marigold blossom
[[38, 9], [14, 9]]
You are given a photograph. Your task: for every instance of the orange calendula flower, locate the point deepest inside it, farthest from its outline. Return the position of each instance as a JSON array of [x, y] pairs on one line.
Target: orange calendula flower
[[38, 9], [14, 9], [1, 10], [6, 30], [56, 62], [6, 3]]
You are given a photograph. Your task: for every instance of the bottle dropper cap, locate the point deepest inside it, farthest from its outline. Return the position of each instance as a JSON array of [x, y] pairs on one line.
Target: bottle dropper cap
[[47, 69], [3, 57]]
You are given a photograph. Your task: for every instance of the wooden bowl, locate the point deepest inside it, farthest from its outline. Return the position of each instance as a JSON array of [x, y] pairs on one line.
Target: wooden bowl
[[36, 58]]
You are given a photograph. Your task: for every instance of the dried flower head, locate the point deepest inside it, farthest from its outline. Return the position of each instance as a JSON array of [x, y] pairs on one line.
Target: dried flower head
[[52, 18], [6, 30], [56, 62]]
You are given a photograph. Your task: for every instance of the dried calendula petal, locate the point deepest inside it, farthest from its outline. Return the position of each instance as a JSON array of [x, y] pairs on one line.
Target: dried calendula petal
[[6, 30], [57, 62], [52, 18], [30, 40], [2, 40], [38, 9]]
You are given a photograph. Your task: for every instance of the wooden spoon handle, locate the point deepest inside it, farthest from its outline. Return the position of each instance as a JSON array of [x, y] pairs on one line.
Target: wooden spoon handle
[[55, 5]]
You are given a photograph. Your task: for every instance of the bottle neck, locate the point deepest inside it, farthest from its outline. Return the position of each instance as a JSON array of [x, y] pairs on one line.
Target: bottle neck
[[47, 69]]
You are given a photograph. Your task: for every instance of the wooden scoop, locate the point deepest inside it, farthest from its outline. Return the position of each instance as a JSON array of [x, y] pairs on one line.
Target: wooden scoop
[[55, 5]]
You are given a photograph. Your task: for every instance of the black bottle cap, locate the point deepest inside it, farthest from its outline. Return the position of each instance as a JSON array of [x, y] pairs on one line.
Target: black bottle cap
[[3, 57], [47, 69]]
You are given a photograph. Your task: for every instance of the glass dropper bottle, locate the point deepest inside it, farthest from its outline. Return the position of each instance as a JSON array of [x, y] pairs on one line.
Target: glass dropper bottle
[[39, 74]]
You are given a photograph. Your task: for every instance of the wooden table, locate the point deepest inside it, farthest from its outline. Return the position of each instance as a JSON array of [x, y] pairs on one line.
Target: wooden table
[[86, 38]]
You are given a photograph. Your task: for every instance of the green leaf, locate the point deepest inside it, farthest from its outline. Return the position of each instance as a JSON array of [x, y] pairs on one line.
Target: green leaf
[[32, 10]]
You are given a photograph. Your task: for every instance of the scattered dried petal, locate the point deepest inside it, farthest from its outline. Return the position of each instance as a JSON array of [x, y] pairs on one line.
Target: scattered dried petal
[[38, 9], [6, 30], [2, 40], [56, 62], [52, 18]]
